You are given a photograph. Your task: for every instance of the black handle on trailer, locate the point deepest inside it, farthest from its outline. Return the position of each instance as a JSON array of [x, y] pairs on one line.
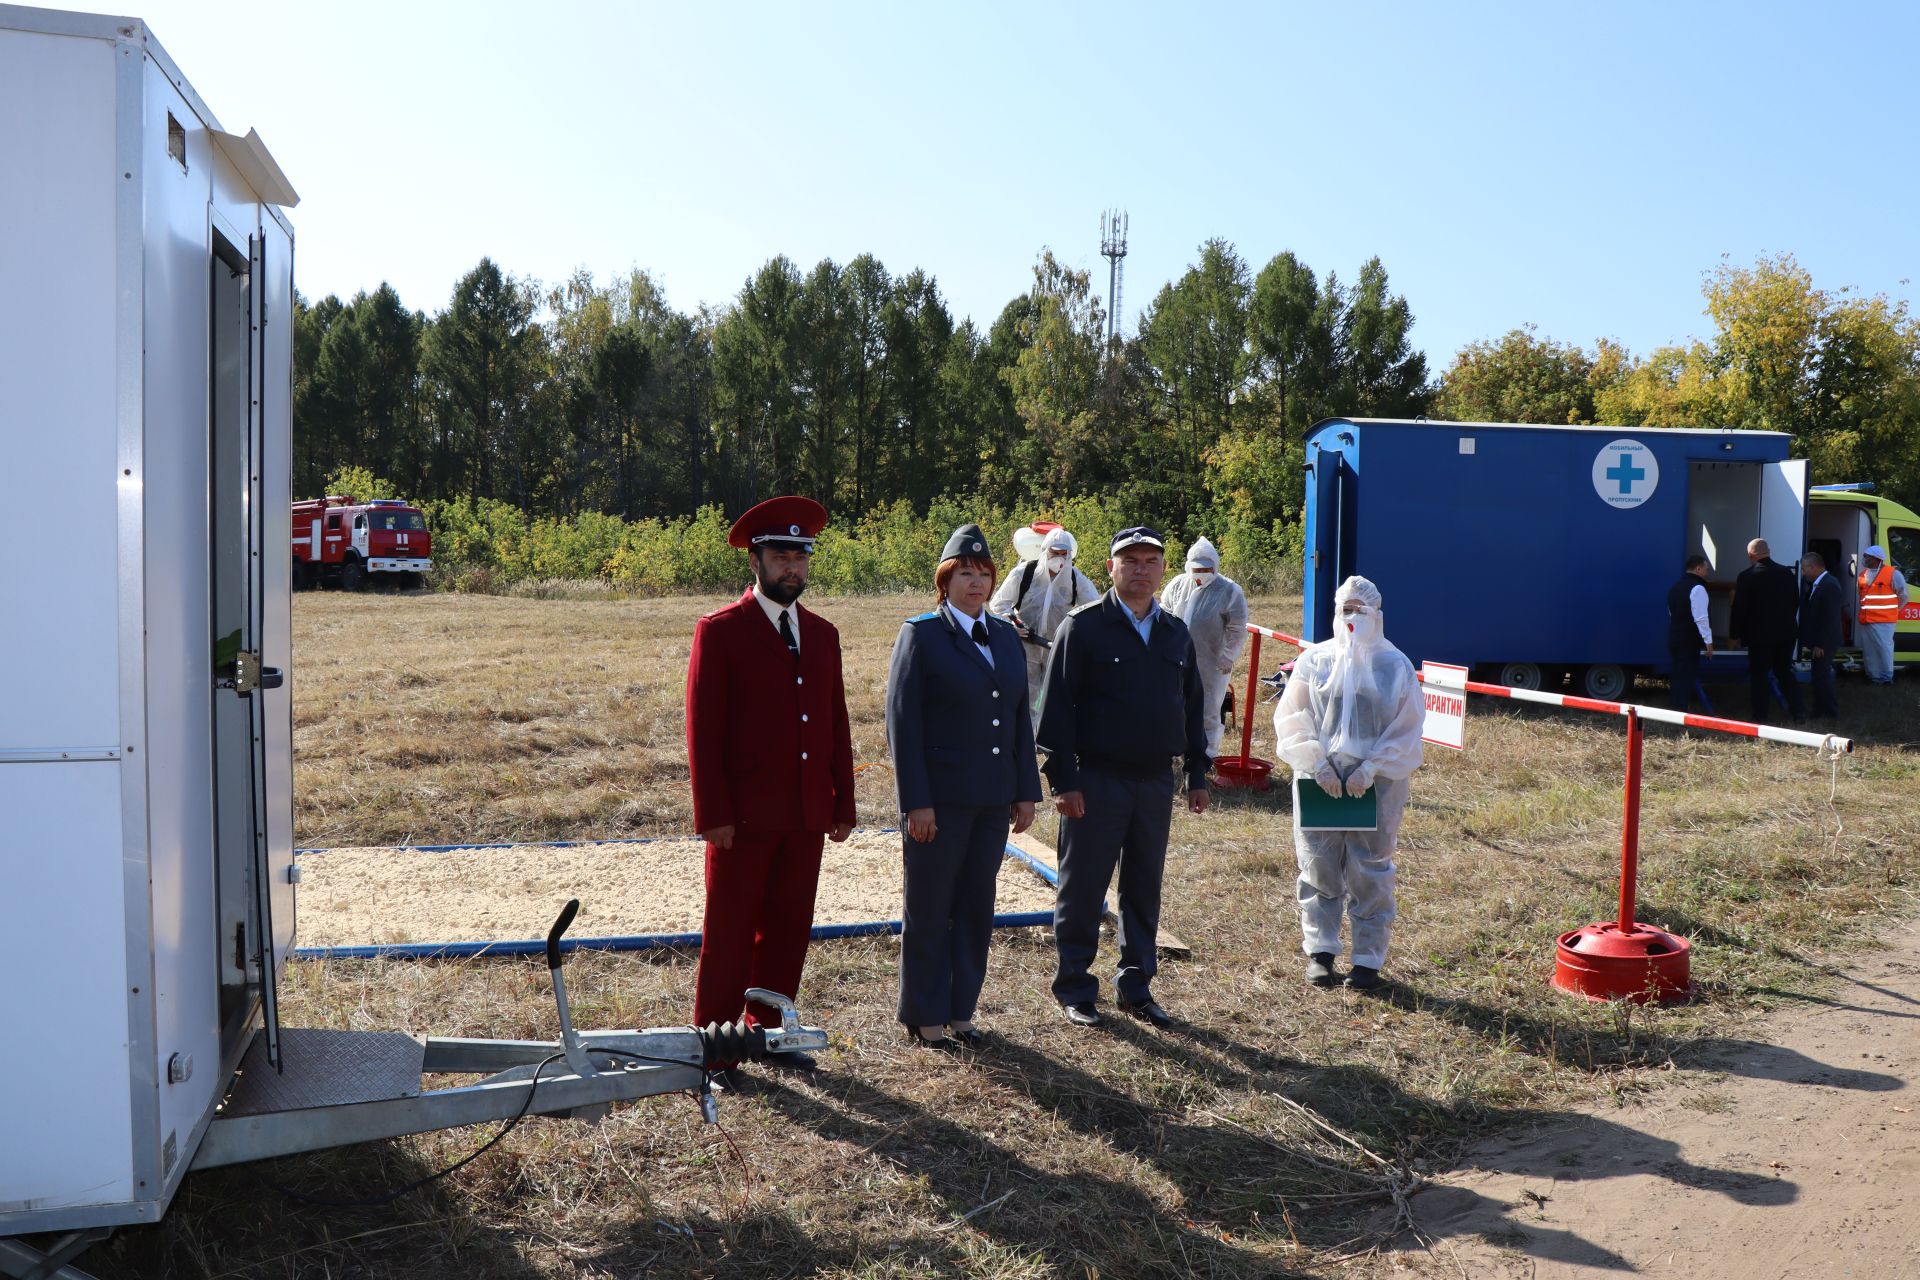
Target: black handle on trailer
[[567, 913], [272, 677]]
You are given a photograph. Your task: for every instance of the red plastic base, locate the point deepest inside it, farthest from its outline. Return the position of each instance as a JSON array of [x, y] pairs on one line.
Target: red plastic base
[[1602, 962], [1237, 771]]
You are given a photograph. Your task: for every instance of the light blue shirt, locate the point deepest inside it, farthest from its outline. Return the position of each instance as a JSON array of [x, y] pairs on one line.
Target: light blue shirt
[[1143, 625], [966, 629]]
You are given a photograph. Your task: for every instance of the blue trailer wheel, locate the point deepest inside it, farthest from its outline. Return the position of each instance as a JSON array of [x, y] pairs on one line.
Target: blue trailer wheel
[[1606, 681], [1522, 675]]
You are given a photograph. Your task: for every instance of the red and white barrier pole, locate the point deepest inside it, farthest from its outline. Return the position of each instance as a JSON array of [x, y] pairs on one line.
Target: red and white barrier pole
[[1829, 742]]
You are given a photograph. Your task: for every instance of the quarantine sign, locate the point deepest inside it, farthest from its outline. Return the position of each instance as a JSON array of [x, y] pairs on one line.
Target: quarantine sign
[[1444, 686]]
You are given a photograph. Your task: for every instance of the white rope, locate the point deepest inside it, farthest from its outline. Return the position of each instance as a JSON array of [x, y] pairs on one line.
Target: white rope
[[1833, 753]]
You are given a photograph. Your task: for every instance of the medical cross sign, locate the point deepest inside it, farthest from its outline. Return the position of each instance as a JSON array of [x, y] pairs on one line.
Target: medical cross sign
[[1625, 473]]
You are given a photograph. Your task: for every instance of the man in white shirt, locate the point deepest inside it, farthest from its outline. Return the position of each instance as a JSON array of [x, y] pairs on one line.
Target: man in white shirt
[[1689, 636]]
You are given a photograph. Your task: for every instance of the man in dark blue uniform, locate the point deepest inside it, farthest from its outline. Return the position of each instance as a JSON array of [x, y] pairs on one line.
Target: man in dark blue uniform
[[1123, 699]]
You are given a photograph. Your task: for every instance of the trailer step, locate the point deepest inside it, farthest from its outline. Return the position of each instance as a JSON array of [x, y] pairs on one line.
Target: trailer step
[[325, 1069]]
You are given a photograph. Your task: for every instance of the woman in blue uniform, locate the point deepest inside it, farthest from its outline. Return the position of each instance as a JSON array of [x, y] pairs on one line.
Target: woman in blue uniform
[[959, 724]]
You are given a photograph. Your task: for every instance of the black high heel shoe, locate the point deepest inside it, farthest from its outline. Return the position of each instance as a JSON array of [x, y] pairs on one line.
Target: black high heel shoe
[[943, 1044], [972, 1038]]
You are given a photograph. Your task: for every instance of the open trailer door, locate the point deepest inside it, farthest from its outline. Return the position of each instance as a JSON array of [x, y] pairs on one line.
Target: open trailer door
[[1331, 524], [1783, 509]]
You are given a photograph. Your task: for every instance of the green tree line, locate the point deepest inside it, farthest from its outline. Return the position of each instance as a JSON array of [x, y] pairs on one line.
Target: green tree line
[[856, 386], [592, 430]]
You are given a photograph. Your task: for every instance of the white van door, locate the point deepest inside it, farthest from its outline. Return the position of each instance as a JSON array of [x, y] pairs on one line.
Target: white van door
[[1783, 509]]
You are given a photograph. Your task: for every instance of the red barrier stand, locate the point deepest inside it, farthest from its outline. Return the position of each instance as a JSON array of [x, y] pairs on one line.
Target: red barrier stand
[[1244, 770], [1619, 959]]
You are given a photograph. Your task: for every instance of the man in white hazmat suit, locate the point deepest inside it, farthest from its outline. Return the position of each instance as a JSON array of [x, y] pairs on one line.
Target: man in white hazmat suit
[[1036, 598], [1350, 719], [1215, 610]]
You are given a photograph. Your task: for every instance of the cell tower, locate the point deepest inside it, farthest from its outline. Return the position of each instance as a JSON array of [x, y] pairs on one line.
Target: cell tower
[[1113, 247]]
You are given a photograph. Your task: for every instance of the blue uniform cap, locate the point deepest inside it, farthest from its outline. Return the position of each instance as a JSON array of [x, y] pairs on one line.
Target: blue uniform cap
[[1138, 536]]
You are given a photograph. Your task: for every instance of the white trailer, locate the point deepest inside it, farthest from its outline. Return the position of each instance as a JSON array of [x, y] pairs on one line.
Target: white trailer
[[146, 817], [146, 904]]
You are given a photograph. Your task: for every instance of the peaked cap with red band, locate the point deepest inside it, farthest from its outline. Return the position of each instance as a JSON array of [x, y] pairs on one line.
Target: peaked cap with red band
[[790, 522]]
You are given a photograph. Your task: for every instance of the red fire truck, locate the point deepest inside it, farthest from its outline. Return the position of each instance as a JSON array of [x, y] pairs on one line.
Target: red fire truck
[[339, 541]]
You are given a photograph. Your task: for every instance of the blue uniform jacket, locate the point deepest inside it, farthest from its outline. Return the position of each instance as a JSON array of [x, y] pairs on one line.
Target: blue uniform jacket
[[1120, 705], [961, 731]]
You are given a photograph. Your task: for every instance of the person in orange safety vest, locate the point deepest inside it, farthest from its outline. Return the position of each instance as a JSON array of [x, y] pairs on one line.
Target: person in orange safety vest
[[1882, 591]]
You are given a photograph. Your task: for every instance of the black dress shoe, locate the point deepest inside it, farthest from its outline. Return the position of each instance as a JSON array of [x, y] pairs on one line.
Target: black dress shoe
[[942, 1043], [1148, 1010], [1363, 978], [1320, 969], [793, 1060], [1082, 1014], [971, 1038]]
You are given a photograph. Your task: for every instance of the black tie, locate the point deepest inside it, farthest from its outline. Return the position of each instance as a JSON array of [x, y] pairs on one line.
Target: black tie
[[980, 633], [786, 633]]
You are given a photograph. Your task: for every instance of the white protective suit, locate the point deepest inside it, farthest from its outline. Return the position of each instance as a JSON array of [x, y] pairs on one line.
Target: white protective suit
[[1215, 611], [1043, 599], [1350, 719]]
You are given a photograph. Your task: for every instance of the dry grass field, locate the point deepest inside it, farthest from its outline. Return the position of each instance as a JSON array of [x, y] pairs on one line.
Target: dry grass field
[[1269, 1137]]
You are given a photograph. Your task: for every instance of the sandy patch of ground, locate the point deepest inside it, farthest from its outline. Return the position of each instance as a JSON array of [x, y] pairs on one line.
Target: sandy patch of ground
[[1797, 1157], [363, 896]]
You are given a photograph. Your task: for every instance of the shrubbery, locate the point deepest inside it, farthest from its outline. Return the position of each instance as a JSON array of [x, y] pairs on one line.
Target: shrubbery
[[486, 545]]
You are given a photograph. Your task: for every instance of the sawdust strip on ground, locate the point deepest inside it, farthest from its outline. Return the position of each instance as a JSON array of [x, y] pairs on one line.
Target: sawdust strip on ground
[[377, 896]]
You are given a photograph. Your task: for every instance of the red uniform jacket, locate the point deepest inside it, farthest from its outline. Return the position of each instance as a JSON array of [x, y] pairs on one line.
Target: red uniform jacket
[[767, 736]]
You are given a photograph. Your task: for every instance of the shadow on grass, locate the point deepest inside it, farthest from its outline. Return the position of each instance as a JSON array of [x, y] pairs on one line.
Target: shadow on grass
[[264, 1219], [1109, 1226]]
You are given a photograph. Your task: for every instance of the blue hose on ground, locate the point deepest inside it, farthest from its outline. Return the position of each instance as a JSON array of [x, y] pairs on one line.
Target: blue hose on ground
[[638, 941]]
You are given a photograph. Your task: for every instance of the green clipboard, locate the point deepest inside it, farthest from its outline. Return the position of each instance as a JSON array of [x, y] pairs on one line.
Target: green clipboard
[[1315, 810]]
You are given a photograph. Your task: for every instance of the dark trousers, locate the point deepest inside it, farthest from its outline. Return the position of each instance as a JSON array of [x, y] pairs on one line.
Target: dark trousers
[[1769, 664], [1824, 701], [949, 885], [1126, 825], [759, 918], [1685, 678]]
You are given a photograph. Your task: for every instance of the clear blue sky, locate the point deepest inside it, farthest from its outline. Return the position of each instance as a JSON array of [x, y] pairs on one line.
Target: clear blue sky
[[1574, 166]]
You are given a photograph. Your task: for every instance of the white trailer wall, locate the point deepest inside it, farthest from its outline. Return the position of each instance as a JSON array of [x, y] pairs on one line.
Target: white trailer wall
[[63, 953]]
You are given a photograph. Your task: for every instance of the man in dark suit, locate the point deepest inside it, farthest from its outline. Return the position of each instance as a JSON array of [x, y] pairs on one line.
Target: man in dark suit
[[961, 731], [771, 761], [1820, 609], [1123, 700], [1766, 601], [1688, 633]]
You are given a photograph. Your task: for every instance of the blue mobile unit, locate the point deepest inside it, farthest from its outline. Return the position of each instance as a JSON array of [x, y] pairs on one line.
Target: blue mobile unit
[[1531, 552]]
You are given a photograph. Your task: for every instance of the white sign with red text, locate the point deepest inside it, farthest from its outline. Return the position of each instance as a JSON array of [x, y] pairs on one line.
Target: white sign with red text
[[1444, 686]]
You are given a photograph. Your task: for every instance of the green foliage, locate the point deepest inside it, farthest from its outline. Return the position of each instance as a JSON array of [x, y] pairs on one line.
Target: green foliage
[[1524, 378], [358, 483], [1837, 371], [580, 430]]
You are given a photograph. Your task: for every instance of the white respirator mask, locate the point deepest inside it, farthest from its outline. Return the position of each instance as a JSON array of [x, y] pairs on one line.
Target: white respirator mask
[[1364, 627]]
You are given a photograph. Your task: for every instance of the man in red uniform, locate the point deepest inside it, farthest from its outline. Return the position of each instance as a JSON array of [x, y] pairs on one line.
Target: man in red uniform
[[772, 766]]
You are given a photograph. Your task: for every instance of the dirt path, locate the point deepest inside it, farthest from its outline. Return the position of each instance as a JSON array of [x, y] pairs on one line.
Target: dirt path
[[1798, 1157], [359, 896]]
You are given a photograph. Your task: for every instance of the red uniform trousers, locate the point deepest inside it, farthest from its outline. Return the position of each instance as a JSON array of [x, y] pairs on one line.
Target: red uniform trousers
[[758, 921]]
